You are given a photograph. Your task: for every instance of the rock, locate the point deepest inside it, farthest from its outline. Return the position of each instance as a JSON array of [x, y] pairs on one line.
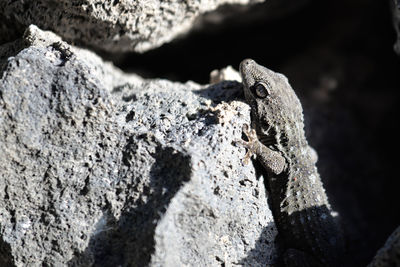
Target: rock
[[226, 17], [395, 6], [225, 74], [389, 254], [114, 26], [104, 168]]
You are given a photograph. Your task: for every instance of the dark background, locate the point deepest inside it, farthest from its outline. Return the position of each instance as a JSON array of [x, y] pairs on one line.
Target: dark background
[[338, 56]]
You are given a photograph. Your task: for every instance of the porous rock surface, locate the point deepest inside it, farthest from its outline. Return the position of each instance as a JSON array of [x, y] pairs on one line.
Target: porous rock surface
[[101, 168], [114, 26]]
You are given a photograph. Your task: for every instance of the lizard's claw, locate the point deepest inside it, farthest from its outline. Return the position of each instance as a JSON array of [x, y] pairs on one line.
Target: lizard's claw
[[252, 136], [247, 157], [250, 133], [245, 128], [249, 153]]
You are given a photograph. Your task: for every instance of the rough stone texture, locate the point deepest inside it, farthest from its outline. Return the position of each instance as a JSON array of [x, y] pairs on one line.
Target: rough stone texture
[[225, 74], [389, 254], [115, 26], [102, 168], [395, 6]]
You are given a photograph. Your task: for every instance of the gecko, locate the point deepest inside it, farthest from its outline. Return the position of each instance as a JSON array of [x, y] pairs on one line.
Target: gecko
[[307, 228]]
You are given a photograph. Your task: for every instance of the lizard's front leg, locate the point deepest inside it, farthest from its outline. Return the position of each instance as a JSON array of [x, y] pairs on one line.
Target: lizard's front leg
[[271, 160]]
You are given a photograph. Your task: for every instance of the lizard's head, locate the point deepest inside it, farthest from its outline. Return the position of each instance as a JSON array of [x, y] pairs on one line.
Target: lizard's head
[[269, 95]]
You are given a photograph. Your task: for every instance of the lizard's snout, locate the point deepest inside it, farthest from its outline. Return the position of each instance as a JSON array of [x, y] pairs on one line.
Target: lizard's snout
[[246, 68], [246, 64]]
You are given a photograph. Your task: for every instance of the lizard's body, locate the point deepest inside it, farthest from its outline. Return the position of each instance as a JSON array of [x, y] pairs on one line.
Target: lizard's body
[[298, 201]]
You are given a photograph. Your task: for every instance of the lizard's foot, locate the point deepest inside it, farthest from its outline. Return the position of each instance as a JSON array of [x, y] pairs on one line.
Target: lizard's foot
[[272, 160], [249, 145]]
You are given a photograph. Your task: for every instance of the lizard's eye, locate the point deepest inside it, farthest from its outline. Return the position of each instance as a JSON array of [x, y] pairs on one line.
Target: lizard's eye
[[262, 89]]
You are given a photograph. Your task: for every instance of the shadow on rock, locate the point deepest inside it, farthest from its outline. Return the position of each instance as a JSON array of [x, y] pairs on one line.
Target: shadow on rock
[[130, 240], [225, 91], [6, 258], [261, 254]]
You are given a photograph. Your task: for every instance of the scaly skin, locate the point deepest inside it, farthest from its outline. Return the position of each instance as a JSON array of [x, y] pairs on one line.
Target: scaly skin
[[310, 234]]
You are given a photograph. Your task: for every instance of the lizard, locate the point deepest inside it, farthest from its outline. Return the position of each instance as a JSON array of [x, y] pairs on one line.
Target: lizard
[[309, 233]]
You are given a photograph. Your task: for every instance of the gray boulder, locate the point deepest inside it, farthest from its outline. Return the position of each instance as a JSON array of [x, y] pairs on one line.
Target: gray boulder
[[114, 26], [102, 168]]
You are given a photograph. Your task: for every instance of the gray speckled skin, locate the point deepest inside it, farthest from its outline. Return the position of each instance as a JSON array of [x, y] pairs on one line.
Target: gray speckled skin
[[299, 204]]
